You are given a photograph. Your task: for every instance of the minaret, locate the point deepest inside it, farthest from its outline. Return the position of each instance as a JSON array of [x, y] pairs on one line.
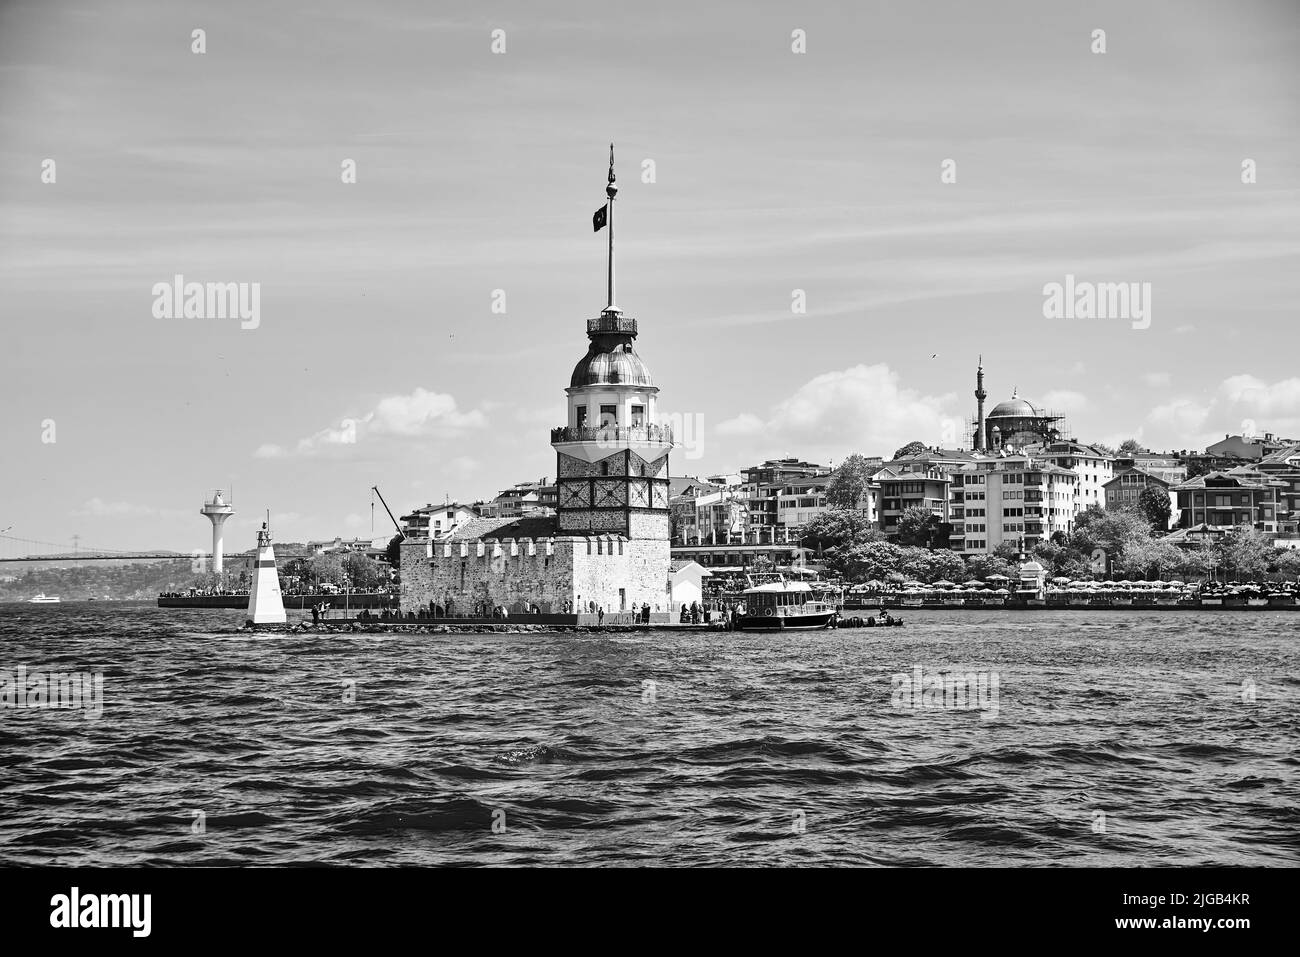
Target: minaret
[[612, 457], [217, 512], [265, 604], [980, 396]]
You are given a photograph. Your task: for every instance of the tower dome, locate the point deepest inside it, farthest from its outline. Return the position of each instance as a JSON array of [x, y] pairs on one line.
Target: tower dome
[[610, 363]]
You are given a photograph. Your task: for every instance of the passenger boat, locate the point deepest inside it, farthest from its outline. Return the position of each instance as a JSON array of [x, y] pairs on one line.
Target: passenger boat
[[783, 606], [42, 599]]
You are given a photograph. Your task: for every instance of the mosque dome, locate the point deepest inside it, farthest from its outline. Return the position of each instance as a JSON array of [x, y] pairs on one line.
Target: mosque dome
[[1014, 408], [606, 364]]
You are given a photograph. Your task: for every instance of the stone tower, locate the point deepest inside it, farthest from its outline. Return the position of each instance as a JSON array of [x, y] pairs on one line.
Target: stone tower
[[612, 456]]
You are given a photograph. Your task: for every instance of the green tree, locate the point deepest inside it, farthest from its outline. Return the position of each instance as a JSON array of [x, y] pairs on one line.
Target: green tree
[[1129, 446], [850, 483], [911, 448], [917, 526], [1153, 505]]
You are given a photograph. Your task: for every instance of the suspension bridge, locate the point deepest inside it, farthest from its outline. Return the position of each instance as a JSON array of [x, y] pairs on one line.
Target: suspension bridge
[[16, 549]]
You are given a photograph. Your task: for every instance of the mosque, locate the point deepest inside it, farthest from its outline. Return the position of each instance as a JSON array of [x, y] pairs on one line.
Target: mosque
[[1015, 423], [607, 547]]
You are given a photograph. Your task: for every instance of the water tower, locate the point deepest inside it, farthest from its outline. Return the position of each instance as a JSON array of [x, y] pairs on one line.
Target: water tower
[[217, 512]]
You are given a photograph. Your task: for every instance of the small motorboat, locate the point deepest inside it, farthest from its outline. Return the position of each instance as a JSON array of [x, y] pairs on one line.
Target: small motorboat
[[874, 622]]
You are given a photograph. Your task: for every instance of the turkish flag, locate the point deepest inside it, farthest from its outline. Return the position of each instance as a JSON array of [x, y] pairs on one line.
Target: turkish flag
[[599, 219]]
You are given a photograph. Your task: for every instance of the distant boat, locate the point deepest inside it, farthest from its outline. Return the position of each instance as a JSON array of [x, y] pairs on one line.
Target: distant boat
[[42, 599]]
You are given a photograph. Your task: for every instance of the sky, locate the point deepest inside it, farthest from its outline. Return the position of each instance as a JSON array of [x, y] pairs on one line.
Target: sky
[[752, 177]]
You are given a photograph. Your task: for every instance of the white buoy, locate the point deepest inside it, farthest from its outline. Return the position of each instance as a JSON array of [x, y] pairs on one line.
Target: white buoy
[[265, 605]]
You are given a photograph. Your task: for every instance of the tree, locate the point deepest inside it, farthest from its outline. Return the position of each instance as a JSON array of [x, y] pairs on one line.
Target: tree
[[911, 448], [1288, 564], [1154, 558], [1153, 505], [917, 526], [1110, 530], [849, 483], [394, 552], [1103, 447], [983, 566], [837, 527], [326, 568], [1201, 561], [1008, 551], [364, 573], [865, 561], [1248, 553], [1129, 446], [1198, 467], [931, 566]]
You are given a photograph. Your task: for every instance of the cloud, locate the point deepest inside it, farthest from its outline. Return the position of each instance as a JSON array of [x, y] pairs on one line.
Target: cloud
[[98, 508], [1157, 380], [862, 408], [1065, 400], [743, 424], [421, 414], [461, 467], [1182, 416], [1260, 398]]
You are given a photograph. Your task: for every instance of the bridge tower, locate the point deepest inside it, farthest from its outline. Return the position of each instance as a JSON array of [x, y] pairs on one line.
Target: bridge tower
[[217, 512]]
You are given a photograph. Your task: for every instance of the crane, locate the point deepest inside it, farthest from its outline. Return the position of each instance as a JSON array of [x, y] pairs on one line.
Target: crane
[[389, 511]]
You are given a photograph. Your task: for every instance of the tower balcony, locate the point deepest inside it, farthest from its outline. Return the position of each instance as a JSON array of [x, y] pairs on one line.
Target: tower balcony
[[592, 444], [607, 323], [615, 436]]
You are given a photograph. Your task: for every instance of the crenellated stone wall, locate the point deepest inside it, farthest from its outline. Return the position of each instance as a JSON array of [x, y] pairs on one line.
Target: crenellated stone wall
[[460, 575]]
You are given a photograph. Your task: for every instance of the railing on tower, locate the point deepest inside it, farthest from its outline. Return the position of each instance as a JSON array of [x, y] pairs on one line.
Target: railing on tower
[[605, 323], [614, 435]]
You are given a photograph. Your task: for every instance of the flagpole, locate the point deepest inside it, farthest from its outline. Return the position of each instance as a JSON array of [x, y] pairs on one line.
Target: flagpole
[[611, 190]]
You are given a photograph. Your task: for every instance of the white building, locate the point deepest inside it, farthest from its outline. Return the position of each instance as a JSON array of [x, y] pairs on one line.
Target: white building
[[1014, 499], [1093, 467]]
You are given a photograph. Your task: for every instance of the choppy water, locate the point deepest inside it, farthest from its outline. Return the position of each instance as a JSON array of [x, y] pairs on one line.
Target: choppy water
[[754, 749]]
